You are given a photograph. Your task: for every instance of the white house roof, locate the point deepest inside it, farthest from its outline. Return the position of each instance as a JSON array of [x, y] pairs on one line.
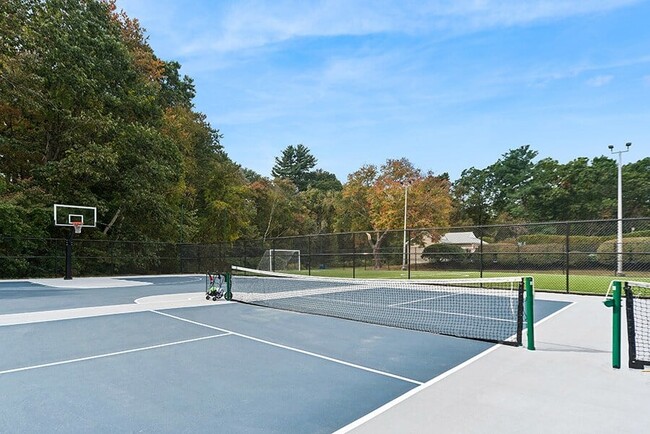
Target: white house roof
[[460, 238]]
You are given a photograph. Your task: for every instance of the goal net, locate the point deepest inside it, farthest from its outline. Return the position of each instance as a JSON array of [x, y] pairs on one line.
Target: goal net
[[280, 260]]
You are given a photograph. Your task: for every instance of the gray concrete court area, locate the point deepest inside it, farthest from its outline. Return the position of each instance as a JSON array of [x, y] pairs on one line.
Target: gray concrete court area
[[567, 385], [174, 362]]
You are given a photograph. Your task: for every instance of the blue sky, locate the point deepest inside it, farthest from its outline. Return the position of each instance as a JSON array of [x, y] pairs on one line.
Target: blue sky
[[448, 84]]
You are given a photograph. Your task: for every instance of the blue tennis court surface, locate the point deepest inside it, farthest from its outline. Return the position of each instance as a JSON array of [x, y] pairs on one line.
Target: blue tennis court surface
[[213, 367]]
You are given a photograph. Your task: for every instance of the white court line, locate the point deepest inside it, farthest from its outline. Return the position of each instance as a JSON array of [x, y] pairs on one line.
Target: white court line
[[145, 304], [297, 350], [557, 312], [384, 408], [193, 280], [88, 283], [422, 299], [397, 306], [468, 315], [117, 353], [357, 423]]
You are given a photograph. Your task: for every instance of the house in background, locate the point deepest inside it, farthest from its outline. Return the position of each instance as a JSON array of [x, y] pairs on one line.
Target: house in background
[[466, 240]]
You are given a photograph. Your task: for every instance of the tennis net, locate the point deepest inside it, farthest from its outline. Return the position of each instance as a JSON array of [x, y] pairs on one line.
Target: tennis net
[[489, 309], [637, 307]]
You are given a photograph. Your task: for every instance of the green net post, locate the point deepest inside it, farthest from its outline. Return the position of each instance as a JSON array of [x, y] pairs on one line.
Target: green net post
[[228, 294], [530, 317], [616, 325], [615, 303]]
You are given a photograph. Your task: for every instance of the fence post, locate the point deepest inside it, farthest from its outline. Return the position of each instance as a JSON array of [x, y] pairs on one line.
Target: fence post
[[408, 254], [354, 255], [245, 258], [308, 255], [568, 254], [180, 257], [415, 259], [199, 259], [480, 249]]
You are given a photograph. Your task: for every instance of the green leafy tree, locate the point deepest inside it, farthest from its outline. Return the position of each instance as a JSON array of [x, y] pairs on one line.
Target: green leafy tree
[[516, 188], [89, 115], [320, 205], [324, 181], [176, 90], [228, 212], [549, 196], [592, 188], [373, 201], [279, 211], [250, 175], [579, 190], [636, 188], [472, 201], [496, 193], [507, 182], [74, 95], [212, 193]]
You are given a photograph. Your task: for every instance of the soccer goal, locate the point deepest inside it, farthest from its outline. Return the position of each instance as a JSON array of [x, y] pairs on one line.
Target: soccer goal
[[280, 260]]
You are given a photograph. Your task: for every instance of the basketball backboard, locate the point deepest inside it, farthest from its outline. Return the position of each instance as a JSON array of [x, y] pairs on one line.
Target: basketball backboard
[[68, 215]]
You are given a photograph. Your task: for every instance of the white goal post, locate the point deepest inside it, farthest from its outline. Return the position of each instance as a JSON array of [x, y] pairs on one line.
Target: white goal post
[[280, 259]]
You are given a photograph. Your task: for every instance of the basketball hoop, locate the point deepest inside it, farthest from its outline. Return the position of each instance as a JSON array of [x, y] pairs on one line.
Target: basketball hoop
[[77, 227]]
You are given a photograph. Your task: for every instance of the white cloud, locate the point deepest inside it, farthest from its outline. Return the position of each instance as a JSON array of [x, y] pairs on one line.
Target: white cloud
[[487, 13], [600, 80], [540, 76], [258, 23], [254, 24]]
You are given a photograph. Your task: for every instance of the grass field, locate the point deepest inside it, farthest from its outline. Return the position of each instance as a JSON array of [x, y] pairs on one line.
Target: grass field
[[578, 283]]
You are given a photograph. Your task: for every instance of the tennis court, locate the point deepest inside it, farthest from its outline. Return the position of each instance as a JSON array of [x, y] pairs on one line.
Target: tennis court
[[151, 354]]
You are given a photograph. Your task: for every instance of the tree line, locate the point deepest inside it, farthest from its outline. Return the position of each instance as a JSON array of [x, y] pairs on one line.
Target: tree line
[[89, 115]]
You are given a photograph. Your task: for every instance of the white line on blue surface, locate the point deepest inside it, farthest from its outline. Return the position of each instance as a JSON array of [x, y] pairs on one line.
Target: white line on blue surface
[[357, 423], [297, 350], [116, 353]]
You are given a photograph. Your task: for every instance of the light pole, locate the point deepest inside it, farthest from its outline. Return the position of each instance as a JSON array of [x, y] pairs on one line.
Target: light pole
[[619, 236], [406, 185]]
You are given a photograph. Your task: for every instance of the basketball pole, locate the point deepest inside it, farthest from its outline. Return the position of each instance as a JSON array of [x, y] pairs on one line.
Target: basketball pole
[[68, 255]]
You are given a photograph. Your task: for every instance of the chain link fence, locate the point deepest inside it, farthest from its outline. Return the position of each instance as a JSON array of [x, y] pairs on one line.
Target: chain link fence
[[578, 256]]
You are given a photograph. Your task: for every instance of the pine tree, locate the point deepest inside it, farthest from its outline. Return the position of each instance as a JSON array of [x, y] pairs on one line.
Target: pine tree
[[295, 164]]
